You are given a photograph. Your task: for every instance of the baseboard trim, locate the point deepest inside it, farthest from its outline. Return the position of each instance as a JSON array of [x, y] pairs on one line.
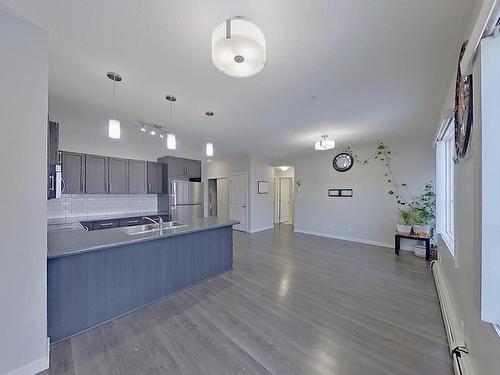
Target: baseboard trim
[[34, 367], [345, 238], [261, 229], [462, 362]]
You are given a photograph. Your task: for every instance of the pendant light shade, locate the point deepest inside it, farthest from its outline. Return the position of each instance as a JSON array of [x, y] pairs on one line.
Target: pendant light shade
[[210, 149], [171, 141], [114, 130], [210, 145], [171, 138], [238, 48], [324, 144]]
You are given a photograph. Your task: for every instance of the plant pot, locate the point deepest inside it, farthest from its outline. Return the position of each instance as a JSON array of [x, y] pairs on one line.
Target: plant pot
[[422, 230], [403, 228], [419, 250]]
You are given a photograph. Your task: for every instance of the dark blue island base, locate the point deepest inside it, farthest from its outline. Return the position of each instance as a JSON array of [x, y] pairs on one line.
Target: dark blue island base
[[89, 288]]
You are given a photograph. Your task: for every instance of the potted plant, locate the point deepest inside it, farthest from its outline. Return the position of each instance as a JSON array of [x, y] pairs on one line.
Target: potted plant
[[404, 227], [424, 208]]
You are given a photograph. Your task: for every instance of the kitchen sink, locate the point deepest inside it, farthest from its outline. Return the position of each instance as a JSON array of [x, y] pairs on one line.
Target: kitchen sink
[[147, 228]]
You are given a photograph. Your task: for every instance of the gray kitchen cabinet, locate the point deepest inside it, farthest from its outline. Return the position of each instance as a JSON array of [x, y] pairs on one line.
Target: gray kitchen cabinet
[[106, 224], [96, 174], [117, 176], [155, 178], [193, 168], [137, 177], [73, 172], [182, 168]]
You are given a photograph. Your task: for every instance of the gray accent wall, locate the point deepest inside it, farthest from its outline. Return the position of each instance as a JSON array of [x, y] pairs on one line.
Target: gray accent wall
[[23, 193]]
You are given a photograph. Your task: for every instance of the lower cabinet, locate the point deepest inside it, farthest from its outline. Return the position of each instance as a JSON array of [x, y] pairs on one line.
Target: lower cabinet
[[87, 289]]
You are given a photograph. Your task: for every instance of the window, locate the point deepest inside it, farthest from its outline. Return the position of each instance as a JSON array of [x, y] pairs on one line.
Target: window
[[445, 187]]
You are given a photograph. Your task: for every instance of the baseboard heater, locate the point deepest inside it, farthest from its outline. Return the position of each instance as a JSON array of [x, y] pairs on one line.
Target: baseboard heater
[[462, 364]]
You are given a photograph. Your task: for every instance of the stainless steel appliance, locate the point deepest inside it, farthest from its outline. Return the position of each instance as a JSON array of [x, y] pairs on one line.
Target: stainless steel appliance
[[186, 200], [55, 182]]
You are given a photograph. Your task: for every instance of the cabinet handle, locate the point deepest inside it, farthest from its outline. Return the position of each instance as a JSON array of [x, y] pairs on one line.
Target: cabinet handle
[[106, 224], [133, 221]]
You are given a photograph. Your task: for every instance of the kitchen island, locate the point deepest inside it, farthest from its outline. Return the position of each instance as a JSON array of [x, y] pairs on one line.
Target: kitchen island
[[96, 276]]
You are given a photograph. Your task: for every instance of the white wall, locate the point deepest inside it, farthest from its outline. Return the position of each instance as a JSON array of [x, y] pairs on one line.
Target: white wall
[[23, 223], [371, 215], [260, 206], [87, 132], [463, 273]]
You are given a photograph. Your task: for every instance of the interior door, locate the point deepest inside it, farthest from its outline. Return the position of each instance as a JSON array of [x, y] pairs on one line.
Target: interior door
[[238, 196], [222, 198], [285, 199]]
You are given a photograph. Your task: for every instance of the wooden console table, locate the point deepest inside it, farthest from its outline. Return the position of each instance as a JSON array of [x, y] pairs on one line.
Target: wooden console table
[[427, 240]]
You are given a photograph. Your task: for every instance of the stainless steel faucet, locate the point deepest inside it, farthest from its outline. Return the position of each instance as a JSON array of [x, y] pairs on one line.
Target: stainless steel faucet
[[159, 222]]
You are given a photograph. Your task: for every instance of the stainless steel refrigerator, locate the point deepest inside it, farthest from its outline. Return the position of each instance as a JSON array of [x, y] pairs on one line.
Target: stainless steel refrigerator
[[186, 200]]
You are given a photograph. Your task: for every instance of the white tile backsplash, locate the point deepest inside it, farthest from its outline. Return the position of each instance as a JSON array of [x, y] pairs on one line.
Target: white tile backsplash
[[80, 206]]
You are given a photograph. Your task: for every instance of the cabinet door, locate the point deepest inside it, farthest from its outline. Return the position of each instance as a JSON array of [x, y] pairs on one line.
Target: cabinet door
[[118, 176], [176, 167], [137, 177], [154, 178], [73, 172], [96, 174], [193, 168]]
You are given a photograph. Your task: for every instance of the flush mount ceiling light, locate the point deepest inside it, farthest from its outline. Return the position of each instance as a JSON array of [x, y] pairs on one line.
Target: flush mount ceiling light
[[238, 48], [324, 143], [284, 168], [113, 123], [210, 145], [171, 138]]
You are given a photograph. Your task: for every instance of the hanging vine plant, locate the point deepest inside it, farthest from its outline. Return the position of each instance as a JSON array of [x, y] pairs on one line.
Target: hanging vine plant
[[383, 153]]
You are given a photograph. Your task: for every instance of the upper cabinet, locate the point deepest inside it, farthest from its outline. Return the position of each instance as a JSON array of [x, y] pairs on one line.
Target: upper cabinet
[[155, 178], [137, 177], [182, 168], [73, 171], [96, 174], [118, 180]]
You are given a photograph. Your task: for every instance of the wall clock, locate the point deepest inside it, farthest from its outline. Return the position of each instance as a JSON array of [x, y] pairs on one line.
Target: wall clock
[[343, 162], [463, 110]]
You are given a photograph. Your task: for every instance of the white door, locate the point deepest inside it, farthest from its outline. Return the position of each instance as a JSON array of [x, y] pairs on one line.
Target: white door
[[238, 200], [222, 198], [285, 199]]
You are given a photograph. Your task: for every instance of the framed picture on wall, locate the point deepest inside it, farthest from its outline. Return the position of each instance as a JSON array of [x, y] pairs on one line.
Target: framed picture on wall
[[263, 187]]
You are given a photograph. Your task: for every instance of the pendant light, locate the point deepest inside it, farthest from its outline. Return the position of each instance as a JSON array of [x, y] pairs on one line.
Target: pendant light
[[171, 138], [210, 145], [238, 48], [113, 123], [324, 144]]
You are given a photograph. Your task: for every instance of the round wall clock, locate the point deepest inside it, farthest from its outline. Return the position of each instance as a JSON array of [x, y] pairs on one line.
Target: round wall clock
[[343, 162], [463, 110]]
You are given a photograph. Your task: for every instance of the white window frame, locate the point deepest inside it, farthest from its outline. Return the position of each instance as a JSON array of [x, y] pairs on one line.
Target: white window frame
[[445, 184]]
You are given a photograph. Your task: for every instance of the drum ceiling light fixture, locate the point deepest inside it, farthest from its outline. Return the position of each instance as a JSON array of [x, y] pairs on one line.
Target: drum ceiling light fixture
[[238, 48]]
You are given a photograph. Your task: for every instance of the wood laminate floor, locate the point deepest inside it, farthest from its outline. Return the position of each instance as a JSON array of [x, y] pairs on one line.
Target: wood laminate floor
[[294, 304]]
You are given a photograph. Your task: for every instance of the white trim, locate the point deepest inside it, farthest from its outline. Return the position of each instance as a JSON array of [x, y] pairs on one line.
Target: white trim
[[261, 229], [34, 367], [483, 27], [344, 238], [443, 127]]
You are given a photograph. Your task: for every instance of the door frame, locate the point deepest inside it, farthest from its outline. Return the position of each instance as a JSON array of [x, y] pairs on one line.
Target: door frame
[[228, 193], [246, 197], [277, 197]]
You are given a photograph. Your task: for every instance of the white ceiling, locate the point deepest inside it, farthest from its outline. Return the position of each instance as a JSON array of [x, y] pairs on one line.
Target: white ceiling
[[358, 70]]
